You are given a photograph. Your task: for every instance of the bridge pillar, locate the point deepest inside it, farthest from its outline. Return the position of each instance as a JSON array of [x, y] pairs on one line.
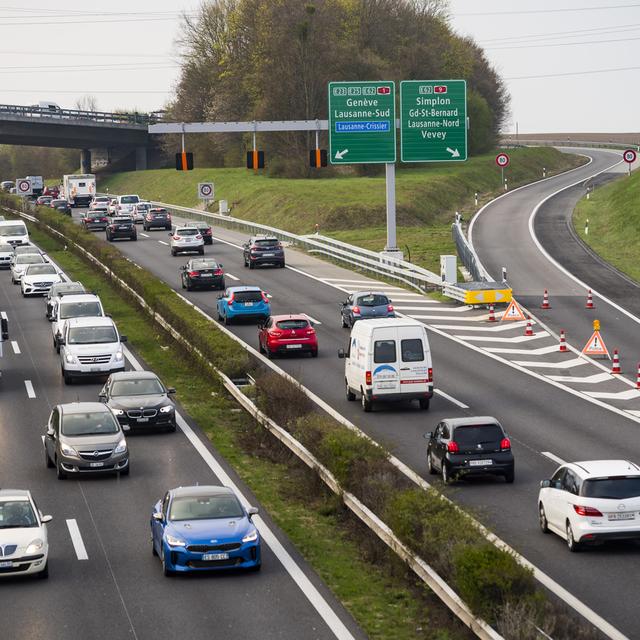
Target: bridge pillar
[[85, 161], [141, 158]]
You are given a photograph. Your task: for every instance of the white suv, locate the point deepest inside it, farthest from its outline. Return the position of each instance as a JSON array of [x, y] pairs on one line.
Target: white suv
[[79, 305], [90, 347], [186, 239], [126, 204], [591, 502]]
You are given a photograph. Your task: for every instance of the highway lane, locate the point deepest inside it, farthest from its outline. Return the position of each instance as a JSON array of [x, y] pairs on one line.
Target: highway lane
[[538, 417], [120, 591]]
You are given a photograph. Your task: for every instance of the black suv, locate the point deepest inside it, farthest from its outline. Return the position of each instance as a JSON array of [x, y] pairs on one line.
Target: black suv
[[157, 218], [261, 250], [469, 446], [205, 231], [121, 227]]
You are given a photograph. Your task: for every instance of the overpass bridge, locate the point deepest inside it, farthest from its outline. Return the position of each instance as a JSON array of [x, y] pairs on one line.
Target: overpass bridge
[[109, 136]]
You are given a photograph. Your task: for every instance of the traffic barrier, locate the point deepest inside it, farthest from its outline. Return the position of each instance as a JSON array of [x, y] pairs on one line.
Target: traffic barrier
[[492, 314], [563, 342], [589, 304], [615, 366], [529, 330], [545, 301]]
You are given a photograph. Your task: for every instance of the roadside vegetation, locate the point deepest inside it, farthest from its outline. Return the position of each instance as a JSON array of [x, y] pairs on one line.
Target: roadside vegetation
[[614, 223]]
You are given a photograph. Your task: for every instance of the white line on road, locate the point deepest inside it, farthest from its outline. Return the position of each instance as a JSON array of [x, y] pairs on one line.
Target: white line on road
[[552, 456], [629, 394], [567, 364], [166, 244], [542, 351], [30, 392], [594, 379], [493, 329], [16, 348], [144, 235], [311, 319], [230, 275], [76, 539], [440, 392], [518, 339]]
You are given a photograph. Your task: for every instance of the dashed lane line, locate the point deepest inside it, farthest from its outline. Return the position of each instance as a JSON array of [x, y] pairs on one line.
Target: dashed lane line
[[144, 235], [30, 391], [230, 275], [451, 399], [16, 347], [311, 319], [166, 244], [552, 456], [76, 539]]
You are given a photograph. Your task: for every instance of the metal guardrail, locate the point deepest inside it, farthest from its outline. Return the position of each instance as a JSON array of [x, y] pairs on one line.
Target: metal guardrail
[[612, 144], [144, 119], [467, 254]]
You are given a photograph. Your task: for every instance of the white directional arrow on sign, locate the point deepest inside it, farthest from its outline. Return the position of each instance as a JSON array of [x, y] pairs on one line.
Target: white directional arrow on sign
[[454, 152], [340, 154]]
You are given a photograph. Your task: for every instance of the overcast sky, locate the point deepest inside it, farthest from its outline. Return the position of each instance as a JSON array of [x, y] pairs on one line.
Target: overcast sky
[[120, 51]]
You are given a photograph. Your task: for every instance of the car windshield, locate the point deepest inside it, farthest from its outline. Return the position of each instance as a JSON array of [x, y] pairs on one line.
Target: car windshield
[[13, 230], [17, 513], [474, 434], [265, 242], [24, 250], [205, 507], [92, 335], [40, 269], [161, 213], [247, 296], [122, 220], [58, 203], [204, 264], [89, 424], [129, 200], [614, 488], [80, 309], [372, 300], [29, 258], [98, 212], [187, 232], [292, 324], [142, 387]]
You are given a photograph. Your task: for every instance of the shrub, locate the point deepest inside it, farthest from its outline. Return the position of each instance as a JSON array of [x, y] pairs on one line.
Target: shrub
[[281, 399]]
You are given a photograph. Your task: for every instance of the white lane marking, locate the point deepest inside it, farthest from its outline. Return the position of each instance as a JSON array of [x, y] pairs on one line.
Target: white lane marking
[[498, 328], [166, 244], [440, 392], [311, 319], [144, 235], [480, 318], [230, 275], [542, 351], [440, 310], [566, 364], [629, 394], [536, 336], [293, 569], [552, 456], [30, 392], [594, 379], [76, 539], [16, 347], [634, 412]]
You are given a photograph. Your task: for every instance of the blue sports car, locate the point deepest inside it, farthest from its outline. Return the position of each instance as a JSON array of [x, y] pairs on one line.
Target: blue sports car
[[243, 302], [204, 528]]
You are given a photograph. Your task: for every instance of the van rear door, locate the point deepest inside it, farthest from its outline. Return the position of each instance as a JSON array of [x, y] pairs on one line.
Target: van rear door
[[384, 368], [414, 360]]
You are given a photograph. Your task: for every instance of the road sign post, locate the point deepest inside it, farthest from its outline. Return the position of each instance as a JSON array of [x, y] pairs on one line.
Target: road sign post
[[433, 120], [629, 156], [502, 160], [205, 191]]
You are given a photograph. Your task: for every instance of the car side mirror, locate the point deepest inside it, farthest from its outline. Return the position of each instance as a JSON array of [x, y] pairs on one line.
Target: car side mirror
[[183, 268], [169, 234], [157, 516], [51, 433], [220, 296], [341, 353], [46, 519], [102, 397], [171, 391], [428, 435], [61, 341], [123, 338], [108, 315], [545, 484], [253, 511]]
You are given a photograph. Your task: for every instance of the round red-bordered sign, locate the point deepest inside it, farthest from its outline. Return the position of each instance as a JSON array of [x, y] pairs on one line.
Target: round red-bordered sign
[[629, 155], [23, 186], [502, 160], [206, 190]]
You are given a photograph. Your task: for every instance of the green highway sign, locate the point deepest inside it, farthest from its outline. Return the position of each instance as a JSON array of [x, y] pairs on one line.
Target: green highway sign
[[433, 120], [362, 122]]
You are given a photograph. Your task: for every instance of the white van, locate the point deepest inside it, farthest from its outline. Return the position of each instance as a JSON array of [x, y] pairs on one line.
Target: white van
[[388, 359], [12, 233]]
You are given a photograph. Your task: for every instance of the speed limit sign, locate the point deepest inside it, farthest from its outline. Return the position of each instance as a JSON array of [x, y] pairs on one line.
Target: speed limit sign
[[629, 156], [23, 187], [502, 160], [205, 190]]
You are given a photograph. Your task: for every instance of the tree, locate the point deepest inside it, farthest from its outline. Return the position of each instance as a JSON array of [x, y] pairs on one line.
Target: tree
[[87, 103]]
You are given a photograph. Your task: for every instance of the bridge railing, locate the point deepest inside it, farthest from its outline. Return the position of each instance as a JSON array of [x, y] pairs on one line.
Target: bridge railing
[[75, 114]]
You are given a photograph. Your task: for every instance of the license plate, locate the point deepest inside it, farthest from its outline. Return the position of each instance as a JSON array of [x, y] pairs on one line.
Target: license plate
[[480, 463], [96, 464], [206, 275], [123, 228], [385, 385], [268, 255], [621, 516], [215, 556], [294, 346], [143, 419], [5, 564], [248, 304], [94, 369]]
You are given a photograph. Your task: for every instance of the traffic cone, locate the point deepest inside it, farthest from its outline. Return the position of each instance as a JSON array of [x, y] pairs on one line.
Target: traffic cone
[[589, 304], [615, 367], [529, 330], [563, 342], [545, 301], [492, 315], [638, 377]]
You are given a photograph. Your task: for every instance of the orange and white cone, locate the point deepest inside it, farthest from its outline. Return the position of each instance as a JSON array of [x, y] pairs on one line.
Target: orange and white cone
[[563, 342], [589, 304], [615, 367], [545, 301], [529, 330], [638, 377], [492, 314]]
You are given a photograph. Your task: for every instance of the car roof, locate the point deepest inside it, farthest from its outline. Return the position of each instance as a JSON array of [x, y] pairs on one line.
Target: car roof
[[264, 238], [83, 407], [244, 288], [133, 375], [599, 468], [290, 316], [91, 321], [195, 223], [70, 287], [471, 420], [201, 490], [368, 293], [80, 297], [14, 493]]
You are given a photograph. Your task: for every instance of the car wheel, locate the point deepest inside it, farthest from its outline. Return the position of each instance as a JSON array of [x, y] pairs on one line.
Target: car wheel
[[446, 477], [109, 238], [24, 295], [430, 468], [573, 545], [167, 572], [350, 395], [134, 237], [67, 378], [60, 474], [367, 405], [255, 568], [270, 354], [182, 283], [125, 471], [226, 320], [343, 322], [424, 403], [244, 262], [222, 286], [509, 477], [282, 265], [153, 548], [188, 287], [172, 429], [314, 353], [44, 574], [173, 253], [201, 251], [542, 519], [47, 459], [260, 347], [251, 265]]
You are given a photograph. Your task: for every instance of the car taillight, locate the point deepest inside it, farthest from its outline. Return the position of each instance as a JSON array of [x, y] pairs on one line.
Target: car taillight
[[389, 307], [193, 274], [198, 237], [310, 332], [505, 444], [586, 511], [168, 216], [176, 237], [232, 298], [367, 378], [356, 309], [276, 333], [452, 447], [264, 296], [217, 272], [430, 374]]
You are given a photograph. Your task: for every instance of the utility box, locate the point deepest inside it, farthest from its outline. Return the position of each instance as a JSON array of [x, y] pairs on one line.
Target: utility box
[[448, 269], [223, 208]]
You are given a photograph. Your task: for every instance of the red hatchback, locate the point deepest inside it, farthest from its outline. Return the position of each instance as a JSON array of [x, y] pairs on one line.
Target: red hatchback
[[287, 334]]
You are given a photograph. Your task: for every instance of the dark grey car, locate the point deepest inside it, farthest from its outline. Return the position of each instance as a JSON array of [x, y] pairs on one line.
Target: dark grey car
[[260, 250], [365, 304]]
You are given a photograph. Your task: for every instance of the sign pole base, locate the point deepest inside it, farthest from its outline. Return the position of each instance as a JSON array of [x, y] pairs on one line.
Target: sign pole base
[[391, 253]]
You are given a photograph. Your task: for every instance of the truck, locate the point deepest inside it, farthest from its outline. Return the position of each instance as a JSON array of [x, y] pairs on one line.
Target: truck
[[79, 189], [37, 185]]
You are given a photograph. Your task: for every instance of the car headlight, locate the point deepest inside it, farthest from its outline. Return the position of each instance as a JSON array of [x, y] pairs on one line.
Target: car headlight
[[118, 412], [172, 541], [167, 409], [251, 537], [119, 355], [35, 546], [122, 446], [67, 450], [70, 358]]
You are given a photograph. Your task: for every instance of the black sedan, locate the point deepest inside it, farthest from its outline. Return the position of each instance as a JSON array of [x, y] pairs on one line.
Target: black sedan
[[121, 227], [462, 447], [61, 205], [202, 273], [140, 400], [94, 221]]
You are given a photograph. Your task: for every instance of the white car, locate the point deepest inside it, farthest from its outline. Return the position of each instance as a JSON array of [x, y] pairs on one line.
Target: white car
[[99, 201], [186, 239], [78, 305], [20, 263], [126, 204], [140, 211], [111, 207], [23, 535], [38, 279], [591, 502]]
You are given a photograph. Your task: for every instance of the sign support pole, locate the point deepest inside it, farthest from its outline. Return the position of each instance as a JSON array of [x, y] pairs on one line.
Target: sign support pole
[[390, 174]]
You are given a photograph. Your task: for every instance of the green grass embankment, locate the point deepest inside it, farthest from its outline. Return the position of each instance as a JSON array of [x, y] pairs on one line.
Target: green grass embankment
[[353, 208], [614, 223]]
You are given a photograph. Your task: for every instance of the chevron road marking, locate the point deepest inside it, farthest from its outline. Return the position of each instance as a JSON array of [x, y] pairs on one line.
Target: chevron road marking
[[501, 327], [482, 318], [629, 394], [567, 364], [594, 379], [527, 352], [634, 413], [537, 336]]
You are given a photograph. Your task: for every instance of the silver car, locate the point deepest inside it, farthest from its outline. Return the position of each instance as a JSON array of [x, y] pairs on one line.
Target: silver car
[[85, 437], [20, 263], [185, 240]]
